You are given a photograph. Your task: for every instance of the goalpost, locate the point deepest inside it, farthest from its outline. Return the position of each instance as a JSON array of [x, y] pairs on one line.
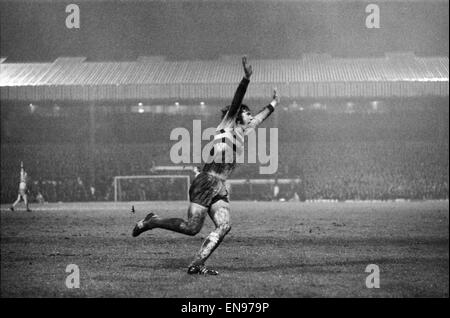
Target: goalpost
[[171, 183], [151, 187]]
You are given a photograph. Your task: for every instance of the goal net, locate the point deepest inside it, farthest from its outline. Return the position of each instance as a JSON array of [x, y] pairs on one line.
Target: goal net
[[171, 183], [171, 187], [262, 189]]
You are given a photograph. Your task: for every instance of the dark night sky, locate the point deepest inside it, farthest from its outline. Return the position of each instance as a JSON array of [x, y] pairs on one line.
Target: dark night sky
[[183, 30]]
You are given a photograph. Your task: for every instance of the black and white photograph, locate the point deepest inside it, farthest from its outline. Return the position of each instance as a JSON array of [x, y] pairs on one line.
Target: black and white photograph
[[225, 152]]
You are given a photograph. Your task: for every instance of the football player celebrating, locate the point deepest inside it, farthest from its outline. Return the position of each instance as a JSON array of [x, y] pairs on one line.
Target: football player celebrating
[[208, 193]]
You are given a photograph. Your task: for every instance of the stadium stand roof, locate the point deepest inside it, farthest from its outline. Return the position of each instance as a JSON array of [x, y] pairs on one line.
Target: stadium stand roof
[[312, 76]]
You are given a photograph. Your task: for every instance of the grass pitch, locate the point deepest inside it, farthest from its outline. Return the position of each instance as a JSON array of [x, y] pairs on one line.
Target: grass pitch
[[274, 249]]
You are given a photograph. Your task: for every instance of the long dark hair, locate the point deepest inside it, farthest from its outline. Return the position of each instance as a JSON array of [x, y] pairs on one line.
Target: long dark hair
[[243, 108]]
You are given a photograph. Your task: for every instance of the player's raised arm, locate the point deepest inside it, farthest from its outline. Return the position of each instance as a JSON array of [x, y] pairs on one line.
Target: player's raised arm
[[240, 92], [265, 112]]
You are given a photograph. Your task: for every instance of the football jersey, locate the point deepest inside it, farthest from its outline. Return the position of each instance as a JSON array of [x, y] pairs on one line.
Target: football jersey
[[229, 138], [23, 180]]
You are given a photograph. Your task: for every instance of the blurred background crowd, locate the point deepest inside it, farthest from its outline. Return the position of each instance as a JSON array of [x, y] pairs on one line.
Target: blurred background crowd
[[323, 155]]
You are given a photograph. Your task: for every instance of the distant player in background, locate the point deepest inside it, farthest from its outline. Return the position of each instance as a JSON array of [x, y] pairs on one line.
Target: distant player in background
[[208, 193], [23, 190]]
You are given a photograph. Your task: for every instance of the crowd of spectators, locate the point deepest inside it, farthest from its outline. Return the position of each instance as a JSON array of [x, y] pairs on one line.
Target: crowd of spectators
[[382, 170], [394, 153]]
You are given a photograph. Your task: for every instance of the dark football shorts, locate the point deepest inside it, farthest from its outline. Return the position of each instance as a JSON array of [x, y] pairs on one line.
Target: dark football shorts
[[207, 189]]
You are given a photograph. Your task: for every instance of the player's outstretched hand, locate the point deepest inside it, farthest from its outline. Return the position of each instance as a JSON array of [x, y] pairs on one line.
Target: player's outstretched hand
[[275, 96], [247, 67]]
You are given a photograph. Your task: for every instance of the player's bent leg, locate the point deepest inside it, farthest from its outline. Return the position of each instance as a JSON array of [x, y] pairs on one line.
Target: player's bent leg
[[220, 215], [193, 225], [15, 203], [25, 199]]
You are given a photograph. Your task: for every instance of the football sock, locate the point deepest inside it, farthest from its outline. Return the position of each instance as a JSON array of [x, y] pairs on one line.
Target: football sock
[[209, 245]]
